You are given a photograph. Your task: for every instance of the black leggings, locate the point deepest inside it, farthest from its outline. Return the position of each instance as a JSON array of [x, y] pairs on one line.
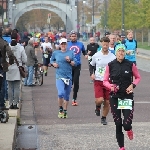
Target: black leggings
[[127, 121], [75, 80]]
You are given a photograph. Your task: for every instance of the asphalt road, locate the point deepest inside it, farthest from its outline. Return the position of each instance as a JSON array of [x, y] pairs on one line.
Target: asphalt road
[[83, 130]]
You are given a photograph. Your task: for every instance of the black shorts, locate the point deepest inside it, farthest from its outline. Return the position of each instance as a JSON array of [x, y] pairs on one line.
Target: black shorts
[[46, 61]]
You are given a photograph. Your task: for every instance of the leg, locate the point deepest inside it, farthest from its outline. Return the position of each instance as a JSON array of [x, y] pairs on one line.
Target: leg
[[76, 81], [10, 92], [60, 88], [26, 79], [45, 65], [16, 93], [118, 121], [30, 75], [98, 96], [127, 122], [1, 93]]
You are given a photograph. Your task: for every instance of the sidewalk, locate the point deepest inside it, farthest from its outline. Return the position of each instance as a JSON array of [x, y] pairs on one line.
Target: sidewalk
[[145, 54]]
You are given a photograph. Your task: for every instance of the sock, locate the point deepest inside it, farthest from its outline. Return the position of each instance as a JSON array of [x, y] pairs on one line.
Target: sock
[[74, 100], [65, 111], [98, 107], [103, 117], [45, 71], [60, 109]]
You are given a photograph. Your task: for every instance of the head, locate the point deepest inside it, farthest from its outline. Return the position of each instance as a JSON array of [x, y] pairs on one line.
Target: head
[[73, 36], [92, 40], [14, 39], [120, 52], [30, 42], [130, 34], [7, 31], [107, 34], [112, 38], [46, 39], [105, 44], [123, 37], [63, 44]]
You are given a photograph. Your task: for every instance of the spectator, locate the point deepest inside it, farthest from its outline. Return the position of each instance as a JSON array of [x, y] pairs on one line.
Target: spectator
[[13, 75], [31, 59]]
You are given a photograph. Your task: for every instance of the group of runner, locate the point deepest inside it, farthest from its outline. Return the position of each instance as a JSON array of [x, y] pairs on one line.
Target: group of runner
[[112, 67]]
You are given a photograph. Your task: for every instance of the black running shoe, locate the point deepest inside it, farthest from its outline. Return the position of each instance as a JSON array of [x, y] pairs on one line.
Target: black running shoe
[[97, 112], [45, 73], [103, 121]]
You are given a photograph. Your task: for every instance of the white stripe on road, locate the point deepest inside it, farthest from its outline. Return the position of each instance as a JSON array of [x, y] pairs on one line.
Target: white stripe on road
[[143, 102]]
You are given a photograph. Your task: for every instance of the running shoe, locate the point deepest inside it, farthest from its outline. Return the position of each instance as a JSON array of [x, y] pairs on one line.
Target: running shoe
[[122, 148], [65, 115], [130, 134], [97, 111], [91, 82], [74, 103], [60, 115], [103, 121]]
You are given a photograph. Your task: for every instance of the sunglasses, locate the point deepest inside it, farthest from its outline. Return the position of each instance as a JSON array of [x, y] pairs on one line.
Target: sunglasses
[[63, 43]]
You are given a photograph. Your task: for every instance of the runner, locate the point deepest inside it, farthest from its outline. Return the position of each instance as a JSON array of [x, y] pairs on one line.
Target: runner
[[77, 47], [112, 42], [63, 61], [91, 50], [46, 49], [100, 60], [131, 47], [119, 79]]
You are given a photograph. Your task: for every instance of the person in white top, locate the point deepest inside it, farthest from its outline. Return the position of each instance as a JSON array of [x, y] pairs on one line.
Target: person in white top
[[101, 60], [46, 49]]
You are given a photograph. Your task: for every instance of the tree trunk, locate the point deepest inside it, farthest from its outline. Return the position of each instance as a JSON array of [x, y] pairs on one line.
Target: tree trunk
[[142, 37]]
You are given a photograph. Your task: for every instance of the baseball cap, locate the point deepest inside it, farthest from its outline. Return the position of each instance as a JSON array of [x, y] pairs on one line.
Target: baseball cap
[[123, 35], [63, 40], [73, 32], [107, 33]]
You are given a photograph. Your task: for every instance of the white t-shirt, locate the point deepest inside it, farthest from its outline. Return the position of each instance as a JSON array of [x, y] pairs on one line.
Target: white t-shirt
[[101, 61], [44, 45]]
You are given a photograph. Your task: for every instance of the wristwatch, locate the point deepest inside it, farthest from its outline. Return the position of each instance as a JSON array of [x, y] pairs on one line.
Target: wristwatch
[[133, 85]]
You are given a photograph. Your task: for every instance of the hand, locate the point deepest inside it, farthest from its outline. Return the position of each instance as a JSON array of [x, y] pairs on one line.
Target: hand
[[55, 65], [137, 51], [128, 52], [86, 56], [89, 52], [67, 58], [129, 89], [93, 77], [49, 65]]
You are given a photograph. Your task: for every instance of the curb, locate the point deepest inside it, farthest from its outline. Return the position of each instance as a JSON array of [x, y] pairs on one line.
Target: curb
[[142, 56]]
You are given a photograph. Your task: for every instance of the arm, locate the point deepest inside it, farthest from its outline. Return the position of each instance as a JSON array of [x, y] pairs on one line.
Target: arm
[[92, 65], [23, 56], [41, 48], [136, 75], [106, 79], [83, 50], [32, 52]]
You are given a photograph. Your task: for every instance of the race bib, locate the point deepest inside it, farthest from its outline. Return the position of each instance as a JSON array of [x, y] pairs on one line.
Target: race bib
[[132, 52], [89, 57], [125, 104], [101, 70], [46, 55], [66, 81]]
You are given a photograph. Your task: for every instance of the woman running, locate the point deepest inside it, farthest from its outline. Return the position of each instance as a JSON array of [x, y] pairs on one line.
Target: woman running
[[119, 79]]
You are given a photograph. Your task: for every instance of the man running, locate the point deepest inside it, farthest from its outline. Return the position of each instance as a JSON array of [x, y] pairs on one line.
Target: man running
[[91, 50], [131, 47], [77, 47], [101, 60], [46, 49], [63, 61]]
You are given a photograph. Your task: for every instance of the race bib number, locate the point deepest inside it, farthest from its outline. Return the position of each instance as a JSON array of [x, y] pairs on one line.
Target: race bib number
[[89, 57], [46, 55], [101, 70], [132, 52], [125, 104], [66, 81]]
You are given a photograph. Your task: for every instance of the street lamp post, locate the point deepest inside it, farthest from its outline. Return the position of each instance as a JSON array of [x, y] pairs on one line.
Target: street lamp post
[[93, 17], [123, 27], [105, 22]]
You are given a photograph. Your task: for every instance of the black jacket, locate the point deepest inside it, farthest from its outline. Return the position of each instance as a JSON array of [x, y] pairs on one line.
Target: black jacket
[[93, 48], [121, 75]]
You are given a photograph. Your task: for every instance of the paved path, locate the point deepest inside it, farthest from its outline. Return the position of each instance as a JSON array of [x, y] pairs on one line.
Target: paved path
[[82, 130]]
